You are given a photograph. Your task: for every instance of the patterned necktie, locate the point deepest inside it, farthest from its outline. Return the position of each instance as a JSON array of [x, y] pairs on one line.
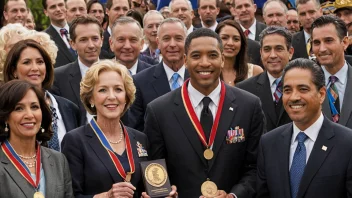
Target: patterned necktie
[[278, 91], [334, 101], [54, 141], [64, 32], [298, 164], [206, 117], [246, 32], [174, 84], [309, 47]]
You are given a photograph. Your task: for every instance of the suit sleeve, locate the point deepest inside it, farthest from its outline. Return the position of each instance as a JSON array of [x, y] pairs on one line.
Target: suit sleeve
[[246, 186], [136, 116], [156, 141], [262, 186], [349, 179], [68, 179]]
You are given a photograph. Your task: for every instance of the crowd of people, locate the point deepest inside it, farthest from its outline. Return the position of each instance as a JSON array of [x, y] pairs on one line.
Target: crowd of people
[[239, 104]]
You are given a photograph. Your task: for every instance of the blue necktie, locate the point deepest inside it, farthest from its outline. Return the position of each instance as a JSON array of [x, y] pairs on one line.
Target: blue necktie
[[278, 90], [54, 141], [298, 164], [175, 84]]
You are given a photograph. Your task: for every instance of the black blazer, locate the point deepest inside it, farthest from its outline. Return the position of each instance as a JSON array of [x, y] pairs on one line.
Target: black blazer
[[327, 173], [150, 84], [106, 52], [64, 55], [172, 136], [69, 112], [259, 28], [142, 66], [260, 86], [299, 44], [91, 167], [253, 52]]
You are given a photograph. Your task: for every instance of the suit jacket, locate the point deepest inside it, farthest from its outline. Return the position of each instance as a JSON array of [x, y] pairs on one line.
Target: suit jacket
[[64, 55], [299, 44], [328, 173], [150, 84], [259, 28], [106, 52], [92, 170], [253, 52], [142, 66], [56, 171], [346, 110], [260, 86], [172, 136], [70, 113]]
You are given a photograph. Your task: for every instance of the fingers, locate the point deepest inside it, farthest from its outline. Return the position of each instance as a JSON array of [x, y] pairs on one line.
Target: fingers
[[173, 192], [122, 189], [221, 194], [144, 195]]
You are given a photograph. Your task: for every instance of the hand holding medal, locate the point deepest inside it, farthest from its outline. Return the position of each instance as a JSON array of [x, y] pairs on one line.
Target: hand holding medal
[[121, 189]]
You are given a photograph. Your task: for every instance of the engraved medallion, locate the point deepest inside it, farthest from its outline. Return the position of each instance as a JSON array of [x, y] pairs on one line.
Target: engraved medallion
[[208, 154], [209, 189], [38, 195], [155, 174], [128, 177]]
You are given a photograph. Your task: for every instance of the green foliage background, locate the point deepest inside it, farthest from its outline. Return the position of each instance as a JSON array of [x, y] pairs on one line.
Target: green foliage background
[[41, 21]]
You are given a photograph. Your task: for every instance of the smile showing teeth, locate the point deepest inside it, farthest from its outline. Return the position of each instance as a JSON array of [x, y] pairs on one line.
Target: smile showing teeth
[[28, 124], [204, 73], [296, 106], [111, 106]]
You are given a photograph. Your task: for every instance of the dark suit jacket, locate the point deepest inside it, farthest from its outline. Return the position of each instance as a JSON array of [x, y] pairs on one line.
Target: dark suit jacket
[[150, 84], [260, 86], [106, 52], [346, 110], [253, 52], [142, 66], [259, 28], [92, 170], [70, 113], [57, 177], [64, 55], [327, 173], [299, 44], [172, 136]]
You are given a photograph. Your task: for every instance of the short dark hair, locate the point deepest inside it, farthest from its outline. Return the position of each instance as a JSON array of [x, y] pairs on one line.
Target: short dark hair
[[83, 20], [202, 32], [317, 2], [109, 3], [13, 57], [324, 20], [277, 30], [5, 6], [136, 15], [91, 2], [44, 4], [318, 77], [11, 93], [216, 1]]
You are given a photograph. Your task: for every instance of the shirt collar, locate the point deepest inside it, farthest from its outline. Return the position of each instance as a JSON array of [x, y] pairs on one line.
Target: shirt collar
[[271, 79], [133, 69], [252, 29], [53, 101], [312, 131], [341, 74], [306, 36], [82, 67], [109, 30], [213, 27], [58, 28], [198, 97], [190, 29], [170, 72]]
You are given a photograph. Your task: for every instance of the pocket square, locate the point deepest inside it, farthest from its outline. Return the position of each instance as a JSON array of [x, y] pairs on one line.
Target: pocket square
[[141, 151], [235, 135]]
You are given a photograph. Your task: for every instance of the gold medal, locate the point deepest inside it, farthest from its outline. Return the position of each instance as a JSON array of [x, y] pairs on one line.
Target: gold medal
[[38, 195], [208, 154], [209, 189], [128, 177]]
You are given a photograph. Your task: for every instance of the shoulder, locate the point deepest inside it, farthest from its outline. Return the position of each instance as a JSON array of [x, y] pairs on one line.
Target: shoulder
[[138, 135], [64, 101], [248, 82], [242, 96], [63, 69], [344, 133], [146, 74], [57, 156], [77, 134], [260, 24], [166, 99], [273, 134], [298, 35]]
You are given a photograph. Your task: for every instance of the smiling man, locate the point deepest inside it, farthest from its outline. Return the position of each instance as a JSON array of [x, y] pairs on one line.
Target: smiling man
[[310, 157], [15, 11], [208, 10], [187, 124], [75, 8], [276, 51]]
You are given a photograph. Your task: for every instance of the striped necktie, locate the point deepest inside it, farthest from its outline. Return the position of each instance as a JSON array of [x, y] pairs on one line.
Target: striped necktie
[[278, 91], [174, 83], [334, 101]]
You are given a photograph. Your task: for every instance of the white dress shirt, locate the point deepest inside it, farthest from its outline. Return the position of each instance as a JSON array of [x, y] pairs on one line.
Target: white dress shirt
[[170, 72], [340, 84], [252, 30], [83, 68], [190, 29], [133, 69], [63, 37], [312, 133], [213, 27], [306, 36]]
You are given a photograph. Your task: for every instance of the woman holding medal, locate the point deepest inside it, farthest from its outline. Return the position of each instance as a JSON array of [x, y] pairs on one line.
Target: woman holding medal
[[104, 155], [28, 169]]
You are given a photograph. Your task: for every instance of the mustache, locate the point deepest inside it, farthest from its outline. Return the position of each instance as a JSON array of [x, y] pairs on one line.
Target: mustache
[[296, 102]]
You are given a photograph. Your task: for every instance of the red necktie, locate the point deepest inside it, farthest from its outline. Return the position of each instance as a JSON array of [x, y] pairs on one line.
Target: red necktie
[[246, 32]]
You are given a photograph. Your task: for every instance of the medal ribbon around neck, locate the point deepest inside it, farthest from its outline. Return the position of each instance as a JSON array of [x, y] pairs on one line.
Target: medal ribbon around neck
[[103, 140], [20, 165], [194, 119]]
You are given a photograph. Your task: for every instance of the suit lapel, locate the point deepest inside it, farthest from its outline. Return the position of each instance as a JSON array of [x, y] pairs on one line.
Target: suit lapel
[[187, 126], [75, 81], [50, 177], [65, 113], [226, 118], [326, 108], [60, 43], [135, 153], [347, 105], [283, 147], [160, 82], [318, 155], [303, 49], [264, 92]]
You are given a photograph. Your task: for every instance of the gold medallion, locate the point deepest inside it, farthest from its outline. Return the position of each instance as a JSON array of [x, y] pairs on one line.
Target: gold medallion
[[155, 175], [128, 177], [38, 195], [208, 154], [209, 189]]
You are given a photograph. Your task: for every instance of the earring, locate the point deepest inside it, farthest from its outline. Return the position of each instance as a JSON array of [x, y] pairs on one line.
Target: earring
[[15, 76], [6, 128], [92, 105], [42, 129]]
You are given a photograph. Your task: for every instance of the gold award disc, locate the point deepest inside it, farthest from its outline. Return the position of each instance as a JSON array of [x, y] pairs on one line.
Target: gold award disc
[[128, 177], [155, 174], [208, 154], [209, 189], [38, 195]]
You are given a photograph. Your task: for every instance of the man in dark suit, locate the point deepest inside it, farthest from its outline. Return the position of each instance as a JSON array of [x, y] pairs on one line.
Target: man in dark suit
[[59, 31], [164, 77], [86, 34], [208, 10], [182, 9], [276, 51], [114, 9], [307, 11], [338, 72], [274, 13], [126, 42], [310, 157], [180, 123]]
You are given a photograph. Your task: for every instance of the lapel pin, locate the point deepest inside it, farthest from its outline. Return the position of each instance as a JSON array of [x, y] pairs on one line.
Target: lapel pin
[[231, 109], [324, 148]]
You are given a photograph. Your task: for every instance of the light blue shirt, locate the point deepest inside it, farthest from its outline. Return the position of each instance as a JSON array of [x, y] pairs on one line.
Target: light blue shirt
[[41, 181], [340, 84]]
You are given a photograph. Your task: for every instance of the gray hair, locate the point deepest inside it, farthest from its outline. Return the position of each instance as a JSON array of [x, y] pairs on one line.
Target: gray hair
[[172, 20], [150, 12], [297, 2], [279, 1], [126, 20], [187, 1]]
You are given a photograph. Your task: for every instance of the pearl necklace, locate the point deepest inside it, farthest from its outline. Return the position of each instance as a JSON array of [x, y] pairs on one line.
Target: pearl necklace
[[24, 157], [30, 164], [120, 139]]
